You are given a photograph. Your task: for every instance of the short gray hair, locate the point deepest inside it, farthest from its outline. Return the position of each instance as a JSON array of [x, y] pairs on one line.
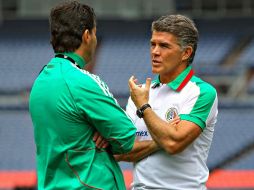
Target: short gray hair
[[180, 26]]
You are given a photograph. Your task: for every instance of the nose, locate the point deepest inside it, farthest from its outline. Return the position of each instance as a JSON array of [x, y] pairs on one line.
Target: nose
[[155, 50]]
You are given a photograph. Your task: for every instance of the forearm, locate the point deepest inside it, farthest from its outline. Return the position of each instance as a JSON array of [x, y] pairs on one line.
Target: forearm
[[173, 137], [165, 135], [140, 150]]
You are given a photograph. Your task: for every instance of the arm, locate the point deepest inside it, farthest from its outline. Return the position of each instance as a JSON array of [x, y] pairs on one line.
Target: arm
[[97, 105], [172, 138], [141, 149]]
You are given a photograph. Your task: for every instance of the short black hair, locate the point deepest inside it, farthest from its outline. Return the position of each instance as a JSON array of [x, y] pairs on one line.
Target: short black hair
[[68, 21]]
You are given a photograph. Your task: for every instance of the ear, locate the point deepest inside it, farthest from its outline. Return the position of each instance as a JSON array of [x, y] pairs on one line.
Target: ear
[[86, 36], [187, 53]]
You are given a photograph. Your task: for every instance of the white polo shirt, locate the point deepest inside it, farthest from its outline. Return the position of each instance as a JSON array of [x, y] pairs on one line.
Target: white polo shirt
[[194, 100]]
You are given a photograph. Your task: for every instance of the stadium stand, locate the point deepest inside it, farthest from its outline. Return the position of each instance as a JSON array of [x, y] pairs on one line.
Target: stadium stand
[[17, 149], [18, 72], [118, 58], [22, 54], [231, 136], [244, 163], [251, 86], [246, 57], [212, 50], [123, 51]]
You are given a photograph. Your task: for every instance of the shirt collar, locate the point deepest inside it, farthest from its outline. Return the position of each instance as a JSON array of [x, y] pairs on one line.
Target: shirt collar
[[78, 59], [180, 81]]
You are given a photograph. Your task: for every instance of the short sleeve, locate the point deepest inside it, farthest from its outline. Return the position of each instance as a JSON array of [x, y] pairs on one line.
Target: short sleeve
[[200, 106]]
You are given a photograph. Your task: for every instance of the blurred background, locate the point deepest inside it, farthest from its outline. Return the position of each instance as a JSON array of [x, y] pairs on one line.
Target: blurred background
[[225, 58]]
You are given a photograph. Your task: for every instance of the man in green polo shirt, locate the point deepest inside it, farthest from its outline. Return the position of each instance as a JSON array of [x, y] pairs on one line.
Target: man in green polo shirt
[[70, 107]]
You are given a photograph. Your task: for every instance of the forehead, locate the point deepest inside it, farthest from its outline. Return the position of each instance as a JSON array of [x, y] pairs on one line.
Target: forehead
[[163, 37]]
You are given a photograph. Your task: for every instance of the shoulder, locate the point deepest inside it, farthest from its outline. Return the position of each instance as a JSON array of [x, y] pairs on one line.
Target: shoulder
[[205, 89], [91, 77], [87, 81], [96, 82]]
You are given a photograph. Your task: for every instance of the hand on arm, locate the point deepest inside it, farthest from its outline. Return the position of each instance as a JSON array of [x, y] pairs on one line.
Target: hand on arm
[[103, 113], [140, 150], [173, 137], [100, 142]]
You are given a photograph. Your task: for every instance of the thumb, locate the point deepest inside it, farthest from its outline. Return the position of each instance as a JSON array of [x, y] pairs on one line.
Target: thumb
[[148, 83]]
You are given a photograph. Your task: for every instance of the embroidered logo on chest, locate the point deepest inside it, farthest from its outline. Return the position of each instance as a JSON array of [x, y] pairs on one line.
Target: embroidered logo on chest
[[171, 114]]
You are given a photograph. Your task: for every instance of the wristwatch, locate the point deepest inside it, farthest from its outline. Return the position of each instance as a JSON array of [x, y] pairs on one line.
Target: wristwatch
[[140, 111]]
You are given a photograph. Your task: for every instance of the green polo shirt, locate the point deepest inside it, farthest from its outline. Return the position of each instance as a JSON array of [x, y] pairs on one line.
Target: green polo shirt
[[67, 106]]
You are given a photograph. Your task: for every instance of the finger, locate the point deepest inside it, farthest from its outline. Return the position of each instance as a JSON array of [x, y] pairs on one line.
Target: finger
[[98, 141], [132, 83], [117, 157], [105, 144], [178, 119], [131, 78], [175, 121], [96, 135], [129, 82], [101, 143], [148, 83]]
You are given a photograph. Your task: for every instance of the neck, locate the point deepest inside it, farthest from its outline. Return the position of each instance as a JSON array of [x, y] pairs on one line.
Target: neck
[[82, 53]]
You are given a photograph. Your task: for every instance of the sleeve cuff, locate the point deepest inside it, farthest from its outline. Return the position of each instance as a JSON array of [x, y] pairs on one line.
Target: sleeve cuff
[[193, 119]]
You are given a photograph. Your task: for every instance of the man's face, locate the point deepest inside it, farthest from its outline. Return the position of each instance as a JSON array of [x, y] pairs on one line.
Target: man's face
[[166, 55]]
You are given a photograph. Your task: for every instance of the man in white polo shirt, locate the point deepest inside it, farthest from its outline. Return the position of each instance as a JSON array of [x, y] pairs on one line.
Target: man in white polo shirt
[[170, 153]]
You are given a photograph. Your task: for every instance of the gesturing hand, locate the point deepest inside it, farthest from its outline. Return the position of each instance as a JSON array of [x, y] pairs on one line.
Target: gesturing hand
[[139, 94]]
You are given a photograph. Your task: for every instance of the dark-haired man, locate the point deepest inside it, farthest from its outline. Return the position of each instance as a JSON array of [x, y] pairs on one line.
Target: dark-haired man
[[73, 111], [172, 154]]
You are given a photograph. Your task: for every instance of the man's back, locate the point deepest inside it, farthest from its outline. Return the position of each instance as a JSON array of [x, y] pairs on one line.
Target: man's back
[[67, 106]]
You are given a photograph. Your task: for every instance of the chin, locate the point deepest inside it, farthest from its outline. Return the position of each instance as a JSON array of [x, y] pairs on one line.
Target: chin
[[155, 71]]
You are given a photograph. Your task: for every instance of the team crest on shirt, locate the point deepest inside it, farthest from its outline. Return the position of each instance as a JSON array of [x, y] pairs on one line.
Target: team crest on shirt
[[171, 114]]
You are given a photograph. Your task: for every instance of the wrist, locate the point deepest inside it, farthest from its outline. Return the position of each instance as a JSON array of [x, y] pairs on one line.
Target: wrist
[[140, 111], [141, 104]]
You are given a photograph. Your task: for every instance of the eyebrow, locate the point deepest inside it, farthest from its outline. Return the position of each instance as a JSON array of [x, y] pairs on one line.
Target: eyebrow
[[161, 43]]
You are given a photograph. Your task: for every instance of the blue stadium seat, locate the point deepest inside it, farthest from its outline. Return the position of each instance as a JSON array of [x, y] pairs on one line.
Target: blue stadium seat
[[246, 58], [119, 58], [212, 50], [234, 131], [245, 162], [21, 60], [17, 149]]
